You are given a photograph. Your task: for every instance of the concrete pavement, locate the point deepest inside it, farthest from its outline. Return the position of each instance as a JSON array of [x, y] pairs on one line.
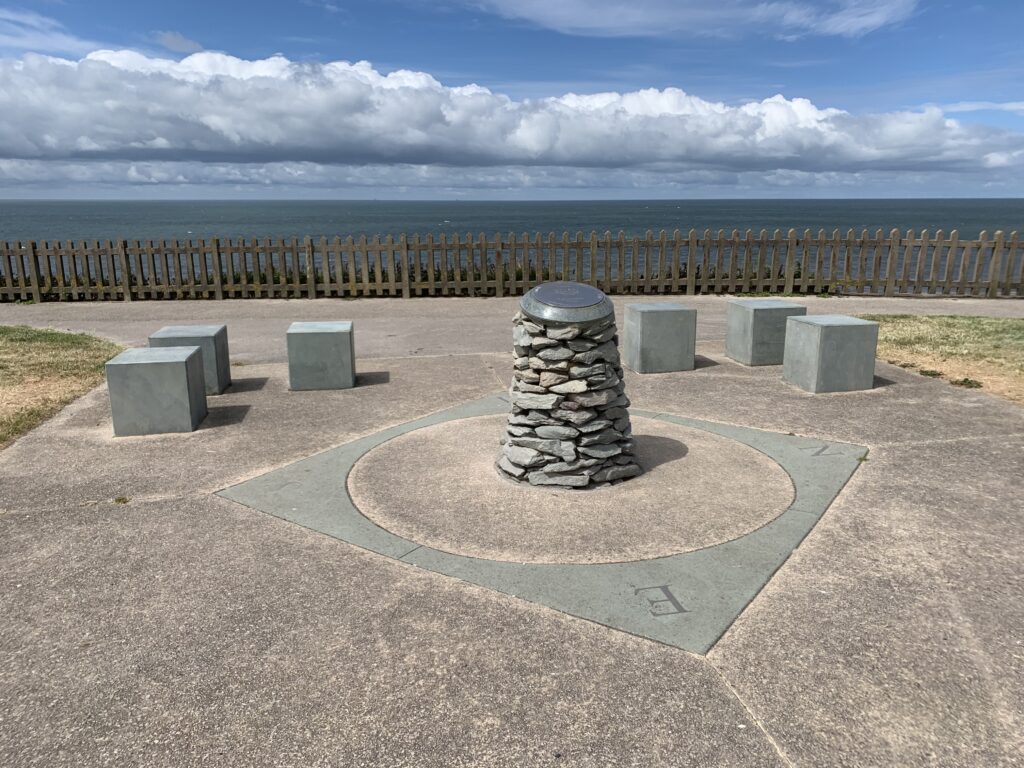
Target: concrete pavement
[[183, 629]]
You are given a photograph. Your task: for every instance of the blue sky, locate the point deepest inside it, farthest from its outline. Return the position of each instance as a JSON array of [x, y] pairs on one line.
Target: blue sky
[[878, 98]]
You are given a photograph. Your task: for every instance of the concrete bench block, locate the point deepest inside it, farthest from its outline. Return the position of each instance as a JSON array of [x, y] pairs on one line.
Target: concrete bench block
[[321, 356], [830, 353], [157, 390], [212, 340], [659, 337], [756, 329]]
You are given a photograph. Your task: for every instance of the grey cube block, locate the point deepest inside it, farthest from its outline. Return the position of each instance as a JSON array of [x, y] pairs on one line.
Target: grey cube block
[[212, 340], [659, 337], [321, 355], [756, 329], [830, 353], [156, 390]]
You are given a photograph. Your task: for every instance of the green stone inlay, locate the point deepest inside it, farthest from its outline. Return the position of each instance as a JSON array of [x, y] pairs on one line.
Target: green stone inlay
[[686, 600]]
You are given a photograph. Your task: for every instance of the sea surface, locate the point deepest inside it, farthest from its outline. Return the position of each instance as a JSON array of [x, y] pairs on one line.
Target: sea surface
[[146, 220]]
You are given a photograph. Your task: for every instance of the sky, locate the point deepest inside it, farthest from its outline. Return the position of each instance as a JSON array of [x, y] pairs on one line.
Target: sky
[[511, 99]]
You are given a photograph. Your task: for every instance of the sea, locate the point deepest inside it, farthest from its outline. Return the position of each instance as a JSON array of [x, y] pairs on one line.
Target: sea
[[154, 220]]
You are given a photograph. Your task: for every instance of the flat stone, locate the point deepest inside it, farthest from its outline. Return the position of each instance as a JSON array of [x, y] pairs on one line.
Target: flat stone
[[531, 377], [520, 430], [529, 400], [586, 371], [563, 449], [570, 481], [605, 335], [550, 378], [622, 424], [619, 472], [598, 328], [607, 351], [582, 416], [532, 419], [601, 451], [520, 336], [563, 333], [595, 426], [608, 383], [556, 354], [523, 456], [547, 365], [520, 351], [569, 405], [540, 342], [581, 345], [575, 386], [614, 413], [603, 437], [572, 466], [590, 399], [558, 433], [525, 386], [522, 363], [532, 327], [510, 468]]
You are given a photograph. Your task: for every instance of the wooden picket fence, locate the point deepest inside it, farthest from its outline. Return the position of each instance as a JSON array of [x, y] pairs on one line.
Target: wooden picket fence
[[854, 264]]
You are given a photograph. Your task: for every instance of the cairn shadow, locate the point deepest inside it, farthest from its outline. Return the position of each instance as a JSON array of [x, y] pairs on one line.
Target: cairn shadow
[[252, 384], [700, 361], [881, 381], [653, 450], [372, 378]]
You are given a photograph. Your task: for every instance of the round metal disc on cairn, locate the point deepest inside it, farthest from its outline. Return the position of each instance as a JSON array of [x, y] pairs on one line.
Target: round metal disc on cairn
[[565, 302], [569, 421]]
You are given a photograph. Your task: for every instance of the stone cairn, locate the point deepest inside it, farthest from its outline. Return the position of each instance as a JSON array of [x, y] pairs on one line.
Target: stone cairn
[[569, 423]]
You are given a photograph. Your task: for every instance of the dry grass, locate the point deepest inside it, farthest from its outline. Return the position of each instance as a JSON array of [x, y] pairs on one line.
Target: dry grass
[[41, 371], [966, 351]]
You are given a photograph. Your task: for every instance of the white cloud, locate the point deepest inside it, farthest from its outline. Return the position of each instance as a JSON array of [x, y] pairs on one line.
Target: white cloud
[[657, 18], [1016, 107], [215, 119], [27, 31]]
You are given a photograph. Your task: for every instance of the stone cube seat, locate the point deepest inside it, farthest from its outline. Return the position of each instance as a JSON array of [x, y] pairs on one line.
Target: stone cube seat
[[156, 390], [756, 329], [660, 337], [321, 355], [212, 340], [830, 353]]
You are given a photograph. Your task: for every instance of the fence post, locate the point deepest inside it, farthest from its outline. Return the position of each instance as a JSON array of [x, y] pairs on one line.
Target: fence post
[[499, 265], [126, 275], [403, 256], [890, 264], [995, 266], [218, 276], [310, 269], [790, 261], [33, 271]]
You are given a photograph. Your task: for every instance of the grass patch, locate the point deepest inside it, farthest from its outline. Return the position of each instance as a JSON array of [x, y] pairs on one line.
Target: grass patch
[[41, 371], [972, 352]]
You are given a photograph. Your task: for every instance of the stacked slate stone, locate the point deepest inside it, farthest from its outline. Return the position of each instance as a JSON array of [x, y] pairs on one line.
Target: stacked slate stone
[[569, 423]]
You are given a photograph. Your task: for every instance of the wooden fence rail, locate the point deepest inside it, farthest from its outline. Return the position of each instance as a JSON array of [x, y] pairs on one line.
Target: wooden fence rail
[[708, 262]]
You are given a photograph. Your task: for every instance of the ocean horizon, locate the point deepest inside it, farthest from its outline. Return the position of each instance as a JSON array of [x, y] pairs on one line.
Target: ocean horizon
[[197, 219]]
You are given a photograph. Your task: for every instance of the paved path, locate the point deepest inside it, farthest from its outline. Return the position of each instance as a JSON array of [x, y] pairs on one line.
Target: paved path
[[182, 629]]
